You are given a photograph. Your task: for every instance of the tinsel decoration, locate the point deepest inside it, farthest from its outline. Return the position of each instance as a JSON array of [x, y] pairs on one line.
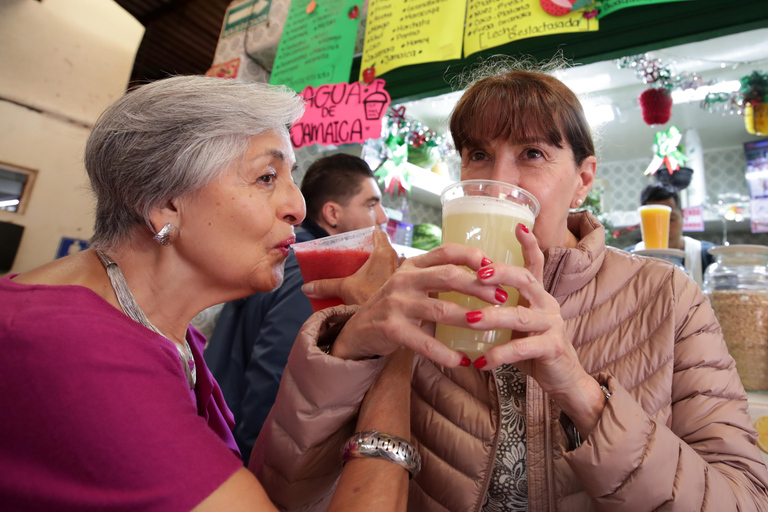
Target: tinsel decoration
[[667, 153], [405, 140], [722, 103], [656, 102], [754, 88], [753, 91]]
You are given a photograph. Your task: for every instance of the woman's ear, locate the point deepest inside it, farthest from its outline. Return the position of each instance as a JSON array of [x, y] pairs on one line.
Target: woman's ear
[[586, 171], [168, 214]]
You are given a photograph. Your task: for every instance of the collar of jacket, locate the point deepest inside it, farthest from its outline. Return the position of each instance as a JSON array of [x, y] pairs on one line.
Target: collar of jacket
[[568, 270], [314, 229]]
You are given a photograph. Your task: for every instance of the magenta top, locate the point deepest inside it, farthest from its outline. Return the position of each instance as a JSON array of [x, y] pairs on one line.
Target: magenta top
[[96, 412]]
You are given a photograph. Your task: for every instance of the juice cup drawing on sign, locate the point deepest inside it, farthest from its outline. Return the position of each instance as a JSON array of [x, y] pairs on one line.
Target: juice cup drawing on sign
[[654, 224], [331, 257], [484, 214]]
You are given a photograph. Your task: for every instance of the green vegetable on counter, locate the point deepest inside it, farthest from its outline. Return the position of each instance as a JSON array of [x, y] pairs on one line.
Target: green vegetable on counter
[[426, 236]]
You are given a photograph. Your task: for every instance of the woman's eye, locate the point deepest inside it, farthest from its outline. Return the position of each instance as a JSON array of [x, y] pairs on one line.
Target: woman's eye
[[268, 178], [477, 156], [533, 153]]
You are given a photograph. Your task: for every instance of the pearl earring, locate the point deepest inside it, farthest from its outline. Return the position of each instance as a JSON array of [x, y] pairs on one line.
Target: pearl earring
[[579, 201]]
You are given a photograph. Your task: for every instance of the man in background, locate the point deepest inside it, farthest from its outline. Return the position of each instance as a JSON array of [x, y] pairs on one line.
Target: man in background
[[697, 257], [249, 347]]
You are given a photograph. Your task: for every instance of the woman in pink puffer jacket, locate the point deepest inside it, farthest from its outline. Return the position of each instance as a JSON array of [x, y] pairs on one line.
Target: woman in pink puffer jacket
[[619, 394]]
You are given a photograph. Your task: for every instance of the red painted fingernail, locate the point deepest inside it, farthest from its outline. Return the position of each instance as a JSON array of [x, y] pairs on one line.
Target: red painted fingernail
[[485, 262], [465, 361], [474, 316], [524, 228], [485, 273], [480, 362], [501, 295]]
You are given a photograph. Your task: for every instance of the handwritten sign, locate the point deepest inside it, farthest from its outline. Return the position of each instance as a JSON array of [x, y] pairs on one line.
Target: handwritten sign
[[403, 32], [341, 114], [317, 46], [492, 23], [693, 218], [610, 6]]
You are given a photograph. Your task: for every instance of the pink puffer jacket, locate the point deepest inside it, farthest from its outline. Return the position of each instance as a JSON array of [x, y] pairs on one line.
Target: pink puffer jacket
[[675, 434]]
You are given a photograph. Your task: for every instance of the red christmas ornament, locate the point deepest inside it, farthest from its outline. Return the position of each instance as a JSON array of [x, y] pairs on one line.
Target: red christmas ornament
[[369, 75], [656, 106]]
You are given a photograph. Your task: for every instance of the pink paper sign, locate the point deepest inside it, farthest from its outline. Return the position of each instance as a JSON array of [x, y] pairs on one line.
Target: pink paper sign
[[341, 114], [693, 218]]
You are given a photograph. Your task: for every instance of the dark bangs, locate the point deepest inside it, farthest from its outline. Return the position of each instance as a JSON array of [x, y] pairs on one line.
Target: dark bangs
[[521, 107]]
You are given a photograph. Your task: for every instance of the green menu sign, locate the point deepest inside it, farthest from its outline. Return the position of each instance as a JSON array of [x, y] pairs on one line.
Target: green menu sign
[[611, 6], [317, 43]]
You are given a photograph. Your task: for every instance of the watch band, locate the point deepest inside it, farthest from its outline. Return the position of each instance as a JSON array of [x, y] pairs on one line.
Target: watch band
[[377, 445]]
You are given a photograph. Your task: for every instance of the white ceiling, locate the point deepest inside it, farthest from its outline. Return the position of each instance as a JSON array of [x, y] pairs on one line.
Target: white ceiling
[[628, 137]]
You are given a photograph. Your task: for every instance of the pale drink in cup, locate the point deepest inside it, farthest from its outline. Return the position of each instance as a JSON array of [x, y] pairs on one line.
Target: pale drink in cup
[[332, 257], [654, 224], [484, 214]]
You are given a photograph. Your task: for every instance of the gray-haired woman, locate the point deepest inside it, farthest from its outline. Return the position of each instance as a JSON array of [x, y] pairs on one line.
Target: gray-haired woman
[[106, 399]]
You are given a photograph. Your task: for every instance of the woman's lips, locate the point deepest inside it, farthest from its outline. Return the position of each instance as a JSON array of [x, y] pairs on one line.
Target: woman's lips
[[284, 246]]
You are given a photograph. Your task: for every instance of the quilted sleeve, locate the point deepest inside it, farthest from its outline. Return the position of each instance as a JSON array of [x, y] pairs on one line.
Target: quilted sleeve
[[297, 456], [706, 459]]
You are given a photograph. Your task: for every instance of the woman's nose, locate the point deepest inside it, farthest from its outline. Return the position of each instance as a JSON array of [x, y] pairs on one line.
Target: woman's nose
[[294, 208], [505, 172]]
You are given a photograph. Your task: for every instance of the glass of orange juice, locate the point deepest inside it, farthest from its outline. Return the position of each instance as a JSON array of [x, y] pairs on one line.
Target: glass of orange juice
[[654, 224]]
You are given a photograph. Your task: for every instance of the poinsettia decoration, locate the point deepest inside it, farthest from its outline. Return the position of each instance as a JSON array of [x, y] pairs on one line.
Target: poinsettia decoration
[[393, 173], [666, 146]]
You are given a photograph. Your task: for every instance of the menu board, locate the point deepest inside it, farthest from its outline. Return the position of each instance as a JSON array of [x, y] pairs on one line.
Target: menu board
[[403, 32], [317, 44], [610, 6], [492, 23]]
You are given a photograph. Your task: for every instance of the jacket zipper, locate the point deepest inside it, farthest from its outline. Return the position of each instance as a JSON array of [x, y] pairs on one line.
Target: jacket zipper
[[548, 463], [495, 446]]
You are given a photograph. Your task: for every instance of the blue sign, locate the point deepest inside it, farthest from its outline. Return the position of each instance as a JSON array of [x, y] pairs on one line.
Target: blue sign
[[69, 246]]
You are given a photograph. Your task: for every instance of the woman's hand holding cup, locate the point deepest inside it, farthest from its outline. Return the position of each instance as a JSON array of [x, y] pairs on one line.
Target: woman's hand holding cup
[[540, 346], [402, 313], [357, 288]]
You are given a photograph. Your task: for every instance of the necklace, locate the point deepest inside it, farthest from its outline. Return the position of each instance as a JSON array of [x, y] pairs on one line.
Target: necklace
[[134, 312]]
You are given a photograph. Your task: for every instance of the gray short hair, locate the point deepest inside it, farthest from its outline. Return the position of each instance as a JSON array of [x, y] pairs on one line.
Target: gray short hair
[[171, 137]]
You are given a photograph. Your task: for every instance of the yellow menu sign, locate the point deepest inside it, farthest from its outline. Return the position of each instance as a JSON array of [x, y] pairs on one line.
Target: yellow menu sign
[[403, 32], [495, 22]]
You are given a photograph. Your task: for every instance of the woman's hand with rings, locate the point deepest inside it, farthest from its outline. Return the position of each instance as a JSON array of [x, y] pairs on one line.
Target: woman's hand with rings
[[402, 313], [540, 346]]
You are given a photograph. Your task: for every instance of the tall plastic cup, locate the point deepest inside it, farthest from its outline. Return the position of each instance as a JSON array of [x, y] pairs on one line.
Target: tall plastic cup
[[654, 224], [484, 214], [331, 257]]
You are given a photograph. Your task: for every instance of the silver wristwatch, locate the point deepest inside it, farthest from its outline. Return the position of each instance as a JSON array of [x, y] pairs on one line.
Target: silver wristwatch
[[377, 445]]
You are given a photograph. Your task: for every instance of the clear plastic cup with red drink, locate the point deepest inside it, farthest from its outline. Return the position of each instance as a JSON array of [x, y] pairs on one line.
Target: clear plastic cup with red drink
[[333, 257]]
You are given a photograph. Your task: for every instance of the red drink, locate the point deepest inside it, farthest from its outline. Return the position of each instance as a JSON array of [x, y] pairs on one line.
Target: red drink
[[333, 257], [329, 264]]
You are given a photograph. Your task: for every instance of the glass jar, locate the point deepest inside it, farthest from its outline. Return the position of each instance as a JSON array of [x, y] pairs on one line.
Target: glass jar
[[737, 286]]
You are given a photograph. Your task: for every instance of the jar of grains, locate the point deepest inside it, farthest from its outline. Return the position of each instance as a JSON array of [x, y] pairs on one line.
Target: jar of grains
[[737, 286]]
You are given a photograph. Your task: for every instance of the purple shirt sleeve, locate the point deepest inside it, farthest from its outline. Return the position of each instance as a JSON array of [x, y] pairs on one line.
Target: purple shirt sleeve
[[96, 411]]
